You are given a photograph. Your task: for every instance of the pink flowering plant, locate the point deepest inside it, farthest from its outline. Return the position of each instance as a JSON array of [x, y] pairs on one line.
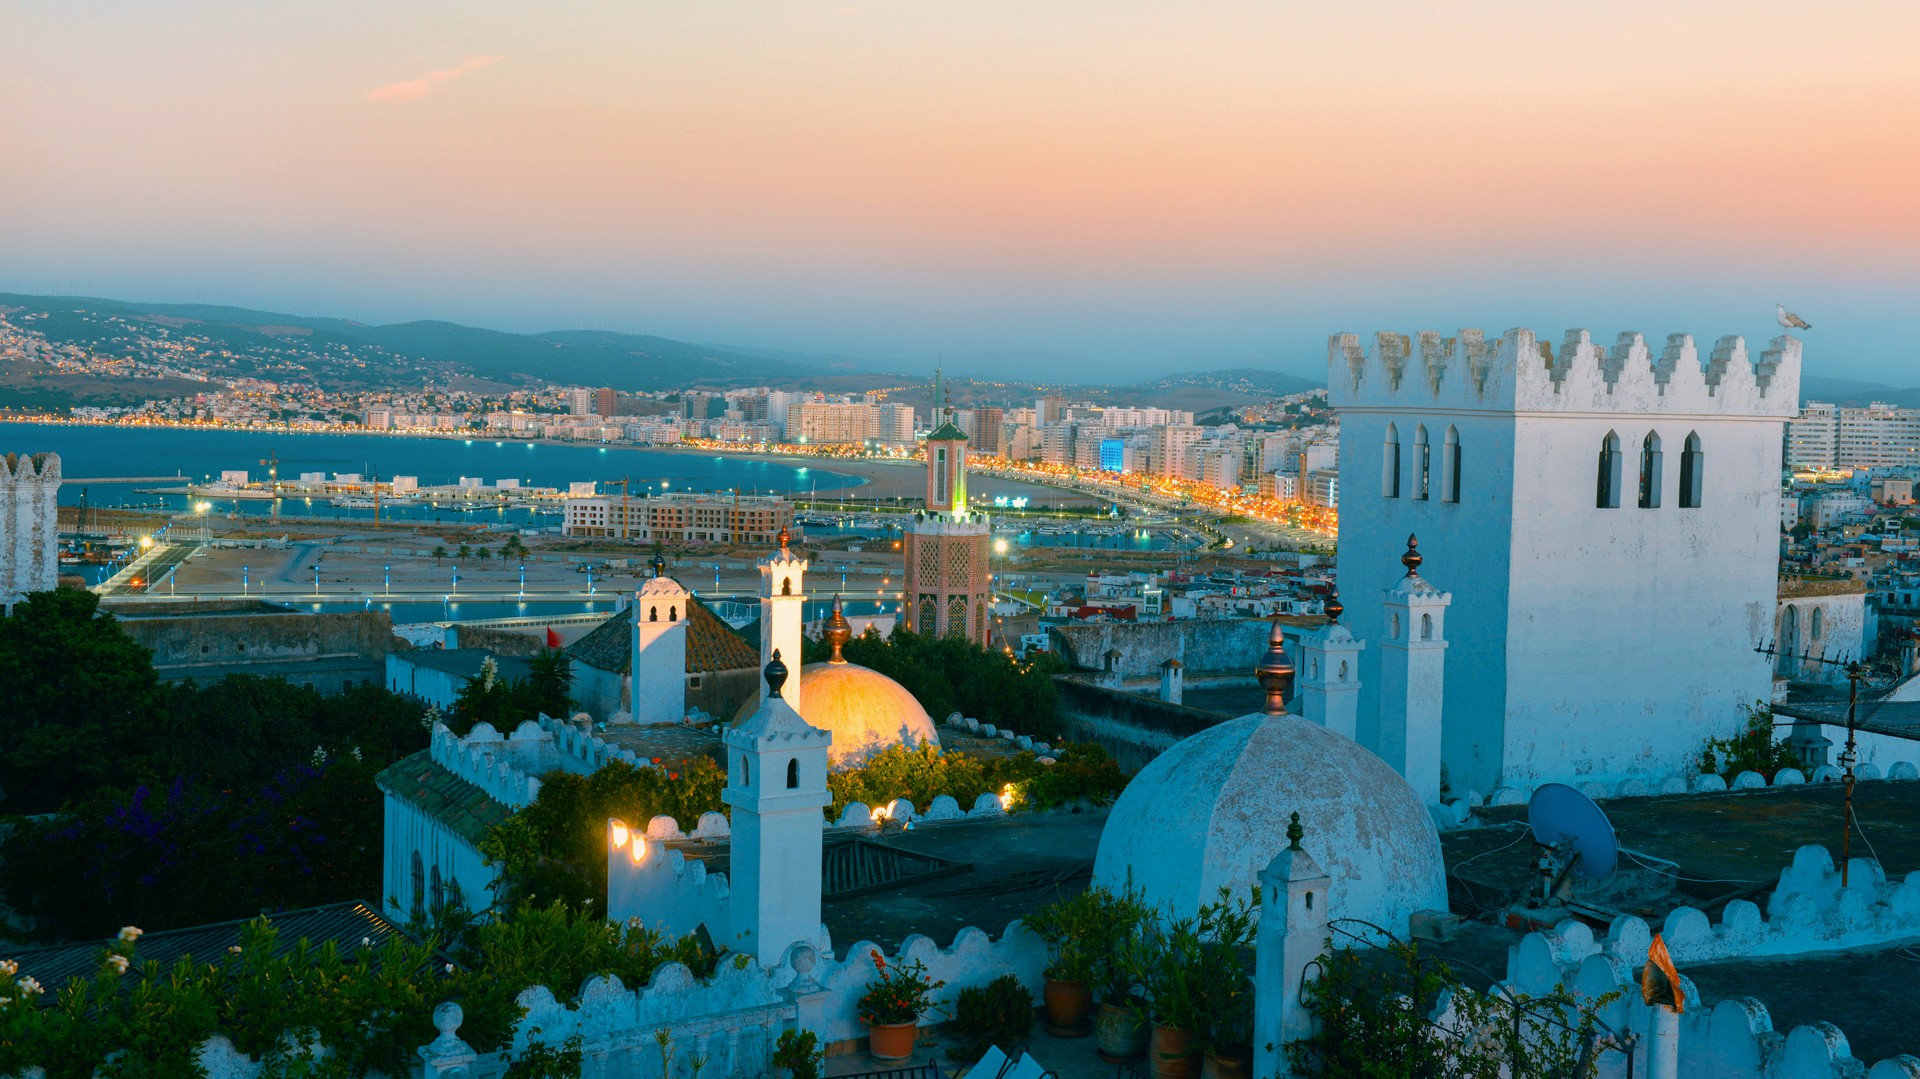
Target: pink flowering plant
[[898, 994]]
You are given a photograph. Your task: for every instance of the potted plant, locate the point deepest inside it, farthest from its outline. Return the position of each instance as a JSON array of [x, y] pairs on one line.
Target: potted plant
[[1225, 1007], [797, 1055], [1113, 937], [999, 1013], [892, 1005], [1167, 965], [1069, 927]]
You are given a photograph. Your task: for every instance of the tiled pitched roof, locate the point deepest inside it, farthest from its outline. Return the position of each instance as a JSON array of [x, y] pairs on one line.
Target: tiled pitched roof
[[440, 794], [712, 645], [342, 924]]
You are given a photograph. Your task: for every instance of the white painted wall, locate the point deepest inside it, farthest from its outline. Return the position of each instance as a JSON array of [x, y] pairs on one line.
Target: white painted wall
[[1585, 642]]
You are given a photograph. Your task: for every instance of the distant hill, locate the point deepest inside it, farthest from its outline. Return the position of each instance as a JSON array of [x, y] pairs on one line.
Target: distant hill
[[597, 357], [1846, 391]]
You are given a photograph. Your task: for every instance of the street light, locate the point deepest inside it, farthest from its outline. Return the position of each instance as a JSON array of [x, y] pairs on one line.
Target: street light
[[243, 580], [523, 582], [388, 570], [456, 580]]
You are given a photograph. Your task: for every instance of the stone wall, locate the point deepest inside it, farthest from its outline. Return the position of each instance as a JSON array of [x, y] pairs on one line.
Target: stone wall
[[184, 637], [1133, 728], [1228, 644]]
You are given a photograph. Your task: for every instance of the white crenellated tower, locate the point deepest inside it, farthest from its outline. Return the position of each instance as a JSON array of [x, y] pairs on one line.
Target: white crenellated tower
[[29, 525], [1413, 655], [783, 612], [1609, 519], [659, 668], [777, 786], [1330, 674]]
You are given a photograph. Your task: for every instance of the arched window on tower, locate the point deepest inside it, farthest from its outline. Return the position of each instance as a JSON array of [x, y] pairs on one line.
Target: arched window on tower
[[653, 614], [1650, 471], [1607, 497], [746, 771], [1426, 627], [1450, 466], [1423, 464], [786, 586], [793, 774], [1692, 463], [673, 614], [1814, 626], [1389, 464]]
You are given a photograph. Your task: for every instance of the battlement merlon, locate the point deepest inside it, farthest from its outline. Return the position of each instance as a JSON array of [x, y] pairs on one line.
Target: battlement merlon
[[1521, 373]]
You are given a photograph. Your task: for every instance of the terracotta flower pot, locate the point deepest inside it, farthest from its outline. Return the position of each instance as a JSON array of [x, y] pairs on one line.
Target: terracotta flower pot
[[1068, 1007], [892, 1041], [1218, 1066], [1119, 1035], [1170, 1054]]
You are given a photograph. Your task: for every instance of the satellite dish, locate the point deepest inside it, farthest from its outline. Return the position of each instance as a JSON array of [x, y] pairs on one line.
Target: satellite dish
[[1559, 815]]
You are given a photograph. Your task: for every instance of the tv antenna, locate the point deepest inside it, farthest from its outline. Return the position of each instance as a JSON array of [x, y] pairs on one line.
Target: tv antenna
[[1856, 672], [1574, 838]]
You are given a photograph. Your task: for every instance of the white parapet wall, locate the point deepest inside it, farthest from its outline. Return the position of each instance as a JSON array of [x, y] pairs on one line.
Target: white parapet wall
[[508, 769]]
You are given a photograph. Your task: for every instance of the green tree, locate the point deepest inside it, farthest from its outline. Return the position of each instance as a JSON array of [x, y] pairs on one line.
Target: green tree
[[464, 552], [78, 701], [439, 552], [550, 680], [483, 553]]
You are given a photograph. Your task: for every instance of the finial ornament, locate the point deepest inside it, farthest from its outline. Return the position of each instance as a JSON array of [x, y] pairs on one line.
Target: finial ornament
[[776, 674], [1334, 607], [1412, 558], [838, 632], [1275, 672], [785, 537], [1294, 833], [659, 565]]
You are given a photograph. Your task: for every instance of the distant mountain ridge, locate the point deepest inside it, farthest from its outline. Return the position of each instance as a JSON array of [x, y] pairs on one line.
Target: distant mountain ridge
[[591, 357]]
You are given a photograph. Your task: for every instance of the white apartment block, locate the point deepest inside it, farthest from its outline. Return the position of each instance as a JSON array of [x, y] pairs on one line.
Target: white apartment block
[[1877, 436]]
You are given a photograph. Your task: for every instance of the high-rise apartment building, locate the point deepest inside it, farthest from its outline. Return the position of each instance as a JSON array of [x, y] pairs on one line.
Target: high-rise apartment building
[[987, 439], [606, 401], [580, 401], [894, 424], [833, 421], [1877, 436], [1170, 443]]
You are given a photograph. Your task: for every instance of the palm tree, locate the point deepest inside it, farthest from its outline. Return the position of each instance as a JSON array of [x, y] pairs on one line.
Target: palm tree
[[464, 552], [439, 552], [550, 674], [483, 553]]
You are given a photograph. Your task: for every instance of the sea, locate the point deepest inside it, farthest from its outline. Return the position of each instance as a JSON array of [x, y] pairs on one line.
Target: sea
[[90, 453]]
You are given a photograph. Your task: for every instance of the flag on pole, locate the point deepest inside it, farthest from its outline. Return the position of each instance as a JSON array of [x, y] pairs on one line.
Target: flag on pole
[[553, 639]]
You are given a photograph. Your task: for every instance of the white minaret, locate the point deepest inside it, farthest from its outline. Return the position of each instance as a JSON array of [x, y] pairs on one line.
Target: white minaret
[[659, 687], [1330, 674], [783, 612], [1292, 937], [1413, 677], [29, 525], [777, 786]]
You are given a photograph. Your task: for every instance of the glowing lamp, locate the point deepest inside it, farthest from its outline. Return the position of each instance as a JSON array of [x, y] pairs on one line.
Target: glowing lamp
[[617, 831]]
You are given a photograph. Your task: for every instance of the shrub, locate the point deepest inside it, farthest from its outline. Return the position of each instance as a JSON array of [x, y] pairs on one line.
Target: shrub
[[799, 1052], [1752, 749], [998, 1013]]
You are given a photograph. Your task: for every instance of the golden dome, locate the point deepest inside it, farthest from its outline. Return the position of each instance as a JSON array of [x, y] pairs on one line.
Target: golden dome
[[864, 710]]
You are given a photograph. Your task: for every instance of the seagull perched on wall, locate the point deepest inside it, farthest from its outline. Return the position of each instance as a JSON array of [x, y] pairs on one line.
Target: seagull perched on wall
[[1790, 320]]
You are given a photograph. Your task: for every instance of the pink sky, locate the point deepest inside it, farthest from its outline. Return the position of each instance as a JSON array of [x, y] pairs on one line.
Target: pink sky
[[1163, 185]]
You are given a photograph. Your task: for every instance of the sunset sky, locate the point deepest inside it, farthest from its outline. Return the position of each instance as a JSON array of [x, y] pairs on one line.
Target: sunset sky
[[1153, 186]]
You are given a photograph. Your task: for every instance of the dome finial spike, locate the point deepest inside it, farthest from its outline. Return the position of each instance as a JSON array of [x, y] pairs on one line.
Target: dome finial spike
[[785, 537], [1333, 607], [1295, 833], [838, 631], [1275, 672], [1412, 558]]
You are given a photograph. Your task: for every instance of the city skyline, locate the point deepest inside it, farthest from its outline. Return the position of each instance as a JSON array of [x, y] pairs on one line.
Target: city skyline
[[1124, 183]]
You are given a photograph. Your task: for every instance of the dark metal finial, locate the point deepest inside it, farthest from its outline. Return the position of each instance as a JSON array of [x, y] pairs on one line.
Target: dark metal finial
[[1412, 558], [1295, 833], [1275, 672], [785, 537], [659, 565], [776, 674], [1334, 607], [838, 632]]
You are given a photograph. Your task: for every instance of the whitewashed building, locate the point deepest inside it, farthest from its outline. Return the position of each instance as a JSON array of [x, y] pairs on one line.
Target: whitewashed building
[[29, 525], [1608, 517]]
